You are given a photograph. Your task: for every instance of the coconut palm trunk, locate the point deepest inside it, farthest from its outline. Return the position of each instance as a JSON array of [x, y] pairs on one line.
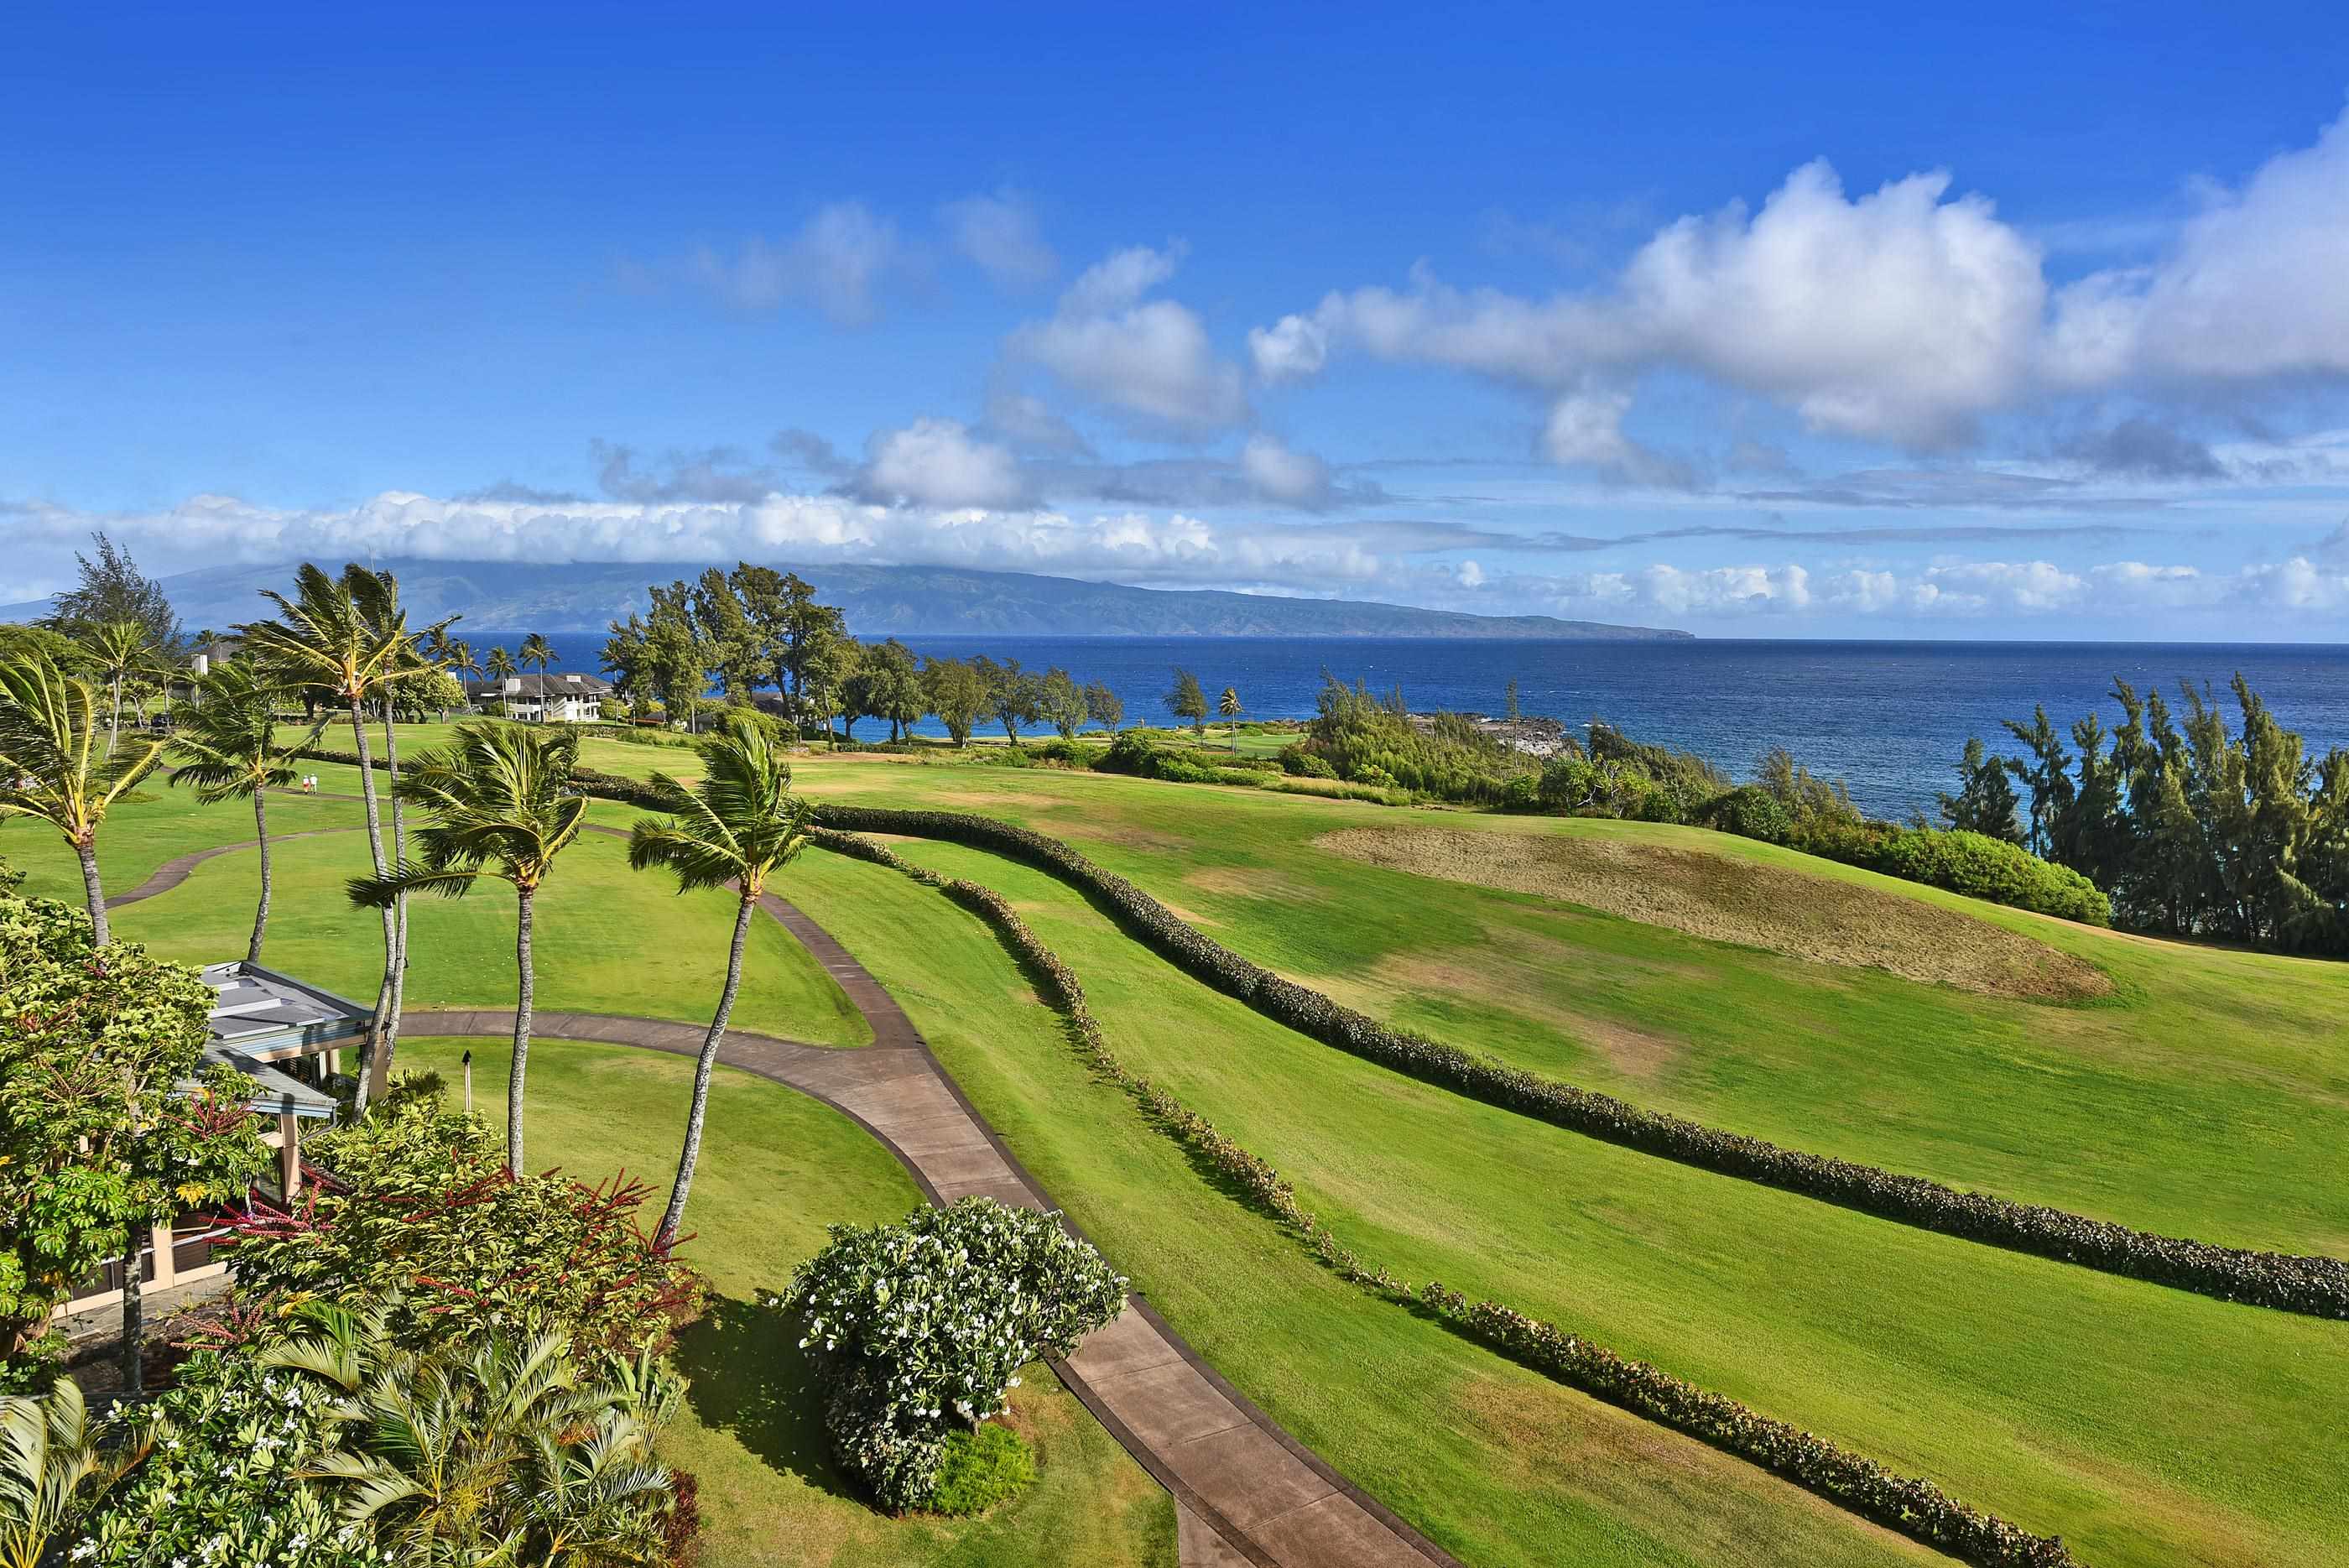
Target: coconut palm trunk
[[526, 971], [86, 849], [383, 1033], [261, 911], [114, 725], [399, 997], [675, 1214]]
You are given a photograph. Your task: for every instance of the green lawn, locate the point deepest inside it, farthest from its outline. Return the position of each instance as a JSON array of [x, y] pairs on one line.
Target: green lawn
[[2208, 1095], [775, 1169], [608, 939], [2073, 1402], [1498, 1465]]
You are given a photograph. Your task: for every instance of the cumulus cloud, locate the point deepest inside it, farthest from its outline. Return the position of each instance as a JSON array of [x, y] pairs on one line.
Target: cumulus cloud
[[1898, 315], [1026, 420], [1903, 316], [2254, 286], [838, 262], [1279, 474], [938, 462], [1150, 360], [713, 474], [999, 233], [1585, 430]]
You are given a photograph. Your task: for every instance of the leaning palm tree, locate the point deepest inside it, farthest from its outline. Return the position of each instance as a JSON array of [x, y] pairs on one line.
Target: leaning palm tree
[[225, 744], [52, 769], [499, 805], [48, 1452], [734, 828], [119, 650], [536, 650], [498, 667], [1228, 705], [324, 645]]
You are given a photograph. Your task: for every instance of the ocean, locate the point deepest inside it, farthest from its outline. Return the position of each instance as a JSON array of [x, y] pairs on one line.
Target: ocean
[[1889, 717]]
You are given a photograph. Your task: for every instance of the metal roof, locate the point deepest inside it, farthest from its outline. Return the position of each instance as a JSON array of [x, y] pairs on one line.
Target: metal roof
[[263, 1016]]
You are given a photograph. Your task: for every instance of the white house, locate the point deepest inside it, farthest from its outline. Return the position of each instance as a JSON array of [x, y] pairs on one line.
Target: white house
[[565, 698]]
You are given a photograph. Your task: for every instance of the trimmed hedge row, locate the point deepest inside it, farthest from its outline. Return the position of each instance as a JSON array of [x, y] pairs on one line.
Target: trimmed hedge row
[[2313, 1284], [1912, 1506]]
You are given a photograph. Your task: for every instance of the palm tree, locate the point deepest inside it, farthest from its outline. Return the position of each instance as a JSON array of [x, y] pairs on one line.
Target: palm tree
[[498, 667], [48, 1450], [735, 827], [535, 650], [323, 644], [456, 657], [225, 745], [495, 1449], [1228, 705], [51, 768], [500, 807], [117, 650], [376, 594]]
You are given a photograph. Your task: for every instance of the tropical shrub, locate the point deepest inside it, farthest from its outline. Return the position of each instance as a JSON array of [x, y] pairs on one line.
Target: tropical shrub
[[415, 1207], [109, 1119], [921, 1327], [1295, 759], [2317, 1285], [1984, 868], [1749, 811], [979, 1469], [220, 1482]]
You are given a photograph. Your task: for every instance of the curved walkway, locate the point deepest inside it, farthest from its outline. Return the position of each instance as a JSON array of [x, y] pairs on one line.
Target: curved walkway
[[1244, 1490]]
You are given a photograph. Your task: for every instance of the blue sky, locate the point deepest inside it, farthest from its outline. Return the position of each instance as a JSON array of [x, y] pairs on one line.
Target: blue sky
[[2002, 322]]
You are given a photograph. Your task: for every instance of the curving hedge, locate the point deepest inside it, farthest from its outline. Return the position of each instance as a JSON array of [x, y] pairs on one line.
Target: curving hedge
[[2291, 1283], [1915, 1507]]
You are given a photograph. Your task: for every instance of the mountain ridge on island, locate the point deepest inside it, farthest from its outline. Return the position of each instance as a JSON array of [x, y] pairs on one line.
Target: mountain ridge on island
[[879, 601]]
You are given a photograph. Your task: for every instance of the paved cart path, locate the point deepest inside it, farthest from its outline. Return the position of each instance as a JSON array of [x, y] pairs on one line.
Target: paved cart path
[[1244, 1490]]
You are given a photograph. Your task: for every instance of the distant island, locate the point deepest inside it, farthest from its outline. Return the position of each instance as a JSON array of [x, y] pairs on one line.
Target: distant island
[[879, 601]]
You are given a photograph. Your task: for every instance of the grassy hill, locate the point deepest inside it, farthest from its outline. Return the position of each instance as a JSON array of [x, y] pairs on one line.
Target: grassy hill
[[2191, 1090]]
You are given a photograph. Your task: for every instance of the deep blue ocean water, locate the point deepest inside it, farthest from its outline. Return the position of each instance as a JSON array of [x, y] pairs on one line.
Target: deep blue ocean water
[[1889, 717]]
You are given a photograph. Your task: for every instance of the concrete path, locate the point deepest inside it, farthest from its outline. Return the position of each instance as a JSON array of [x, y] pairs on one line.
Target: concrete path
[[1244, 1490]]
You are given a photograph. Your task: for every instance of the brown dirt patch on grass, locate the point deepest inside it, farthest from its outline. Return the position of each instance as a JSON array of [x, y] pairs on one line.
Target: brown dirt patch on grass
[[1731, 899]]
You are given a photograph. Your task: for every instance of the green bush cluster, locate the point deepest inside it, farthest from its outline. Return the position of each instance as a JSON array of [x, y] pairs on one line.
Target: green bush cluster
[[2291, 1283], [1367, 739], [977, 1471], [920, 1328], [414, 1205]]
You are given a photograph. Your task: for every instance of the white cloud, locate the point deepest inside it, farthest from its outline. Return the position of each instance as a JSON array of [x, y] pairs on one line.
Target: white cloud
[[1895, 316], [1900, 316], [837, 262], [2256, 285], [1279, 474], [938, 462], [1145, 358], [999, 233], [1293, 349]]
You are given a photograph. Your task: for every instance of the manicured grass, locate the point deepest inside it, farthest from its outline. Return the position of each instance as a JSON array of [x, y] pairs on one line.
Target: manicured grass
[[142, 833], [1498, 1465], [2143, 1424], [2207, 1096], [775, 1169], [608, 939]]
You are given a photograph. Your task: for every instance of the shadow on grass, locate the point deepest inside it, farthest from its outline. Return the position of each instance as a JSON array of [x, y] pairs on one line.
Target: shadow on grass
[[751, 1380]]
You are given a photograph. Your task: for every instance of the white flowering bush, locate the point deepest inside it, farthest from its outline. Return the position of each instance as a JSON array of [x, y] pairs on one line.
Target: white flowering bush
[[219, 1487], [921, 1328]]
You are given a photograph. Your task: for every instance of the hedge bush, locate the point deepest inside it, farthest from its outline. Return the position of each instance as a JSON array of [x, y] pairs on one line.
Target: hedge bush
[[1984, 868], [1749, 811], [1915, 1507], [921, 1327], [2315, 1285]]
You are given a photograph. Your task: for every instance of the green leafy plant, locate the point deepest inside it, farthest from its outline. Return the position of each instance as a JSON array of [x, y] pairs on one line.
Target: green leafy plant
[[415, 1204], [919, 1328], [978, 1470]]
